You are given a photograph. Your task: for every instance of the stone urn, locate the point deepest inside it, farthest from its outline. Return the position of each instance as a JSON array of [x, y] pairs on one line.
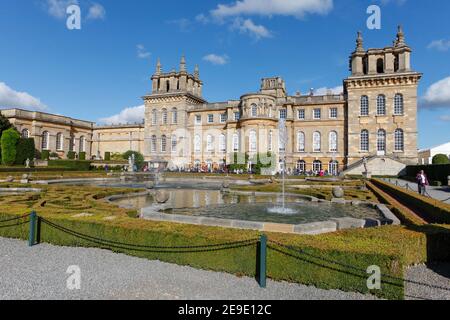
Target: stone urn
[[338, 192], [226, 184], [161, 196], [150, 185]]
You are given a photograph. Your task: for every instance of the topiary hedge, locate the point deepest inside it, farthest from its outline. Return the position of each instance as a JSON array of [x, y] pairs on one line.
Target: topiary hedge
[[107, 156], [9, 140], [71, 155], [77, 165], [45, 154], [25, 150], [82, 156]]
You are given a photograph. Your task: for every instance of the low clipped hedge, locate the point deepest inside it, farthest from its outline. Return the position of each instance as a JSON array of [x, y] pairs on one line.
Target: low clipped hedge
[[433, 211], [323, 264], [78, 165], [35, 169]]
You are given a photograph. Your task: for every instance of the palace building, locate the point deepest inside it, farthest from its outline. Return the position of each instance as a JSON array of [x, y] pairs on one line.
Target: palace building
[[374, 118]]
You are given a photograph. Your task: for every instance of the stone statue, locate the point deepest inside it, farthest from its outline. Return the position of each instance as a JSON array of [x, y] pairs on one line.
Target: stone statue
[[365, 164], [27, 163], [131, 161]]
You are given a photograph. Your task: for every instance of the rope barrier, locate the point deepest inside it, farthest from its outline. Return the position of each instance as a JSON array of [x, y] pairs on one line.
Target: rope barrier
[[155, 249], [348, 266], [16, 218], [13, 224]]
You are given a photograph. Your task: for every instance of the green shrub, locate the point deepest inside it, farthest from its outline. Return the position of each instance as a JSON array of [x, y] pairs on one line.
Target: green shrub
[[45, 154], [71, 155], [25, 150], [139, 158], [107, 156], [441, 159], [82, 156], [77, 165], [9, 140]]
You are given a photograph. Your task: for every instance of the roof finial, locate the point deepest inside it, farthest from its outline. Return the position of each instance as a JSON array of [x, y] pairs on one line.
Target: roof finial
[[183, 63], [400, 37], [196, 72], [359, 42], [158, 67]]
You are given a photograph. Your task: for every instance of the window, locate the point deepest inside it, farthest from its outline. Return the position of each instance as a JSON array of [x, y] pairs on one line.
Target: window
[[381, 140], [332, 141], [197, 143], [153, 146], [254, 110], [317, 142], [283, 113], [82, 144], [364, 145], [163, 143], [25, 133], [59, 142], [317, 166], [333, 168], [301, 166], [45, 140], [364, 106], [301, 114], [381, 105], [235, 142], [154, 117], [209, 143], [317, 114], [237, 116], [222, 143], [333, 113], [210, 118], [223, 117], [253, 141], [174, 116], [270, 142], [174, 143], [301, 141], [164, 116], [198, 119], [72, 143], [399, 140], [398, 104]]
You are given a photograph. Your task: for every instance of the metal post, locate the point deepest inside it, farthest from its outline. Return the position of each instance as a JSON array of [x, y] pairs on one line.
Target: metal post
[[32, 235], [262, 261]]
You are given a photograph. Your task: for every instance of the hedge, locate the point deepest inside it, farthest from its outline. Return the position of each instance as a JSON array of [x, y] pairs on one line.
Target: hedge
[[25, 150], [432, 210], [107, 156], [71, 155], [9, 141], [435, 172], [82, 156], [45, 154], [71, 164]]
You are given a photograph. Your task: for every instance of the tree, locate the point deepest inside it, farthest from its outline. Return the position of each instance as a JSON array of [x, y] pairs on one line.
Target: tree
[[4, 125], [25, 150], [9, 140], [138, 158], [441, 159]]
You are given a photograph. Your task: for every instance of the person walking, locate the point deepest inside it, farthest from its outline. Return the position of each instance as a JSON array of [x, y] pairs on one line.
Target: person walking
[[422, 182]]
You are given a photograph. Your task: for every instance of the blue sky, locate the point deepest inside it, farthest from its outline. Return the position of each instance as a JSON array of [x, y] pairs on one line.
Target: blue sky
[[104, 68]]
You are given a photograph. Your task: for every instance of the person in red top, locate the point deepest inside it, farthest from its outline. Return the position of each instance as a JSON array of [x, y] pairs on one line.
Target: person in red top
[[422, 182]]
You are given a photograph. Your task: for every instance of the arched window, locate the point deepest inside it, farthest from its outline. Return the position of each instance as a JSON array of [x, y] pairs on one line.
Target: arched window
[[235, 142], [333, 141], [174, 143], [399, 140], [197, 143], [209, 143], [174, 116], [59, 142], [317, 142], [301, 166], [82, 144], [254, 110], [301, 141], [364, 106], [164, 116], [317, 166], [153, 147], [381, 140], [270, 142], [45, 141], [381, 105], [398, 104], [25, 133], [364, 144], [253, 141], [333, 168], [222, 143], [380, 65], [154, 117]]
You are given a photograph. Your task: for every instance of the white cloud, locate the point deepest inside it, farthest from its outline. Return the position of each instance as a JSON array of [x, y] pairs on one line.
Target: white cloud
[[142, 53], [440, 45], [438, 94], [10, 98], [57, 8], [183, 24], [247, 26], [324, 91], [296, 8], [128, 115], [96, 12], [445, 118], [216, 59]]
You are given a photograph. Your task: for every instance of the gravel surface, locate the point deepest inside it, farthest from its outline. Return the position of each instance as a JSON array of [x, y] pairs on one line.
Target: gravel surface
[[436, 278], [40, 273]]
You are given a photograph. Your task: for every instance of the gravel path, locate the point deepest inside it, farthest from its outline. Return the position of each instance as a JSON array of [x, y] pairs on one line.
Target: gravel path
[[40, 273], [437, 278]]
